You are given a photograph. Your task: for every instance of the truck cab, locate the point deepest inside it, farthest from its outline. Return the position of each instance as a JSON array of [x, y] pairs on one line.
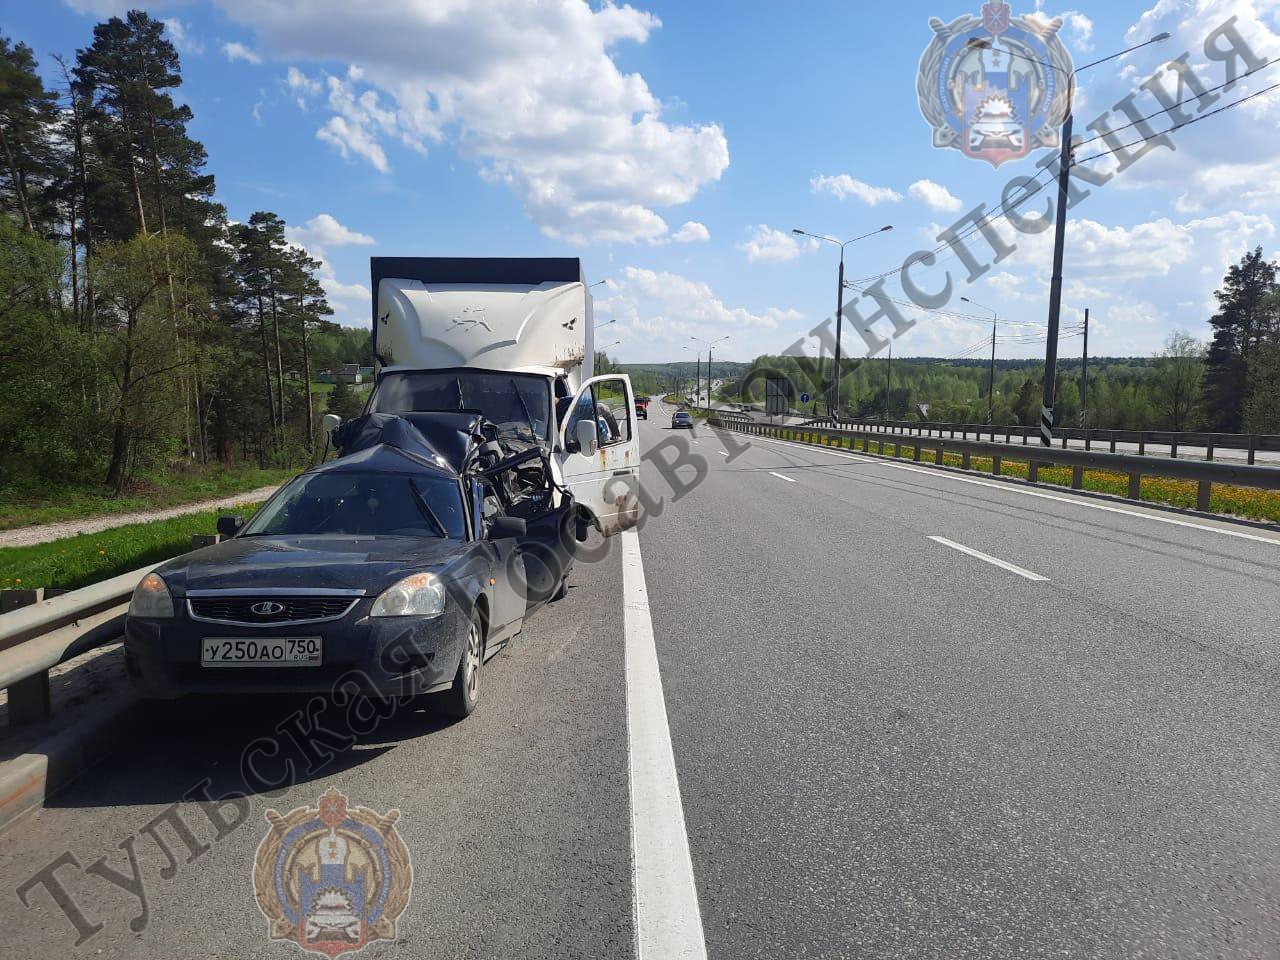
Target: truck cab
[[511, 339]]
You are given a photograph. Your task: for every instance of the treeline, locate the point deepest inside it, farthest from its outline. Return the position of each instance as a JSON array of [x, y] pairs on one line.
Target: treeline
[[1230, 385], [140, 327], [663, 378]]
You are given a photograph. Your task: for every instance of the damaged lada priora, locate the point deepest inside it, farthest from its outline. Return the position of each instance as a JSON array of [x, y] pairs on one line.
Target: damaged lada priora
[[402, 565]]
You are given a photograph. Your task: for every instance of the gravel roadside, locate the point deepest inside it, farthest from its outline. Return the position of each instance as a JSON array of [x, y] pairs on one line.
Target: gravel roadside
[[44, 532]]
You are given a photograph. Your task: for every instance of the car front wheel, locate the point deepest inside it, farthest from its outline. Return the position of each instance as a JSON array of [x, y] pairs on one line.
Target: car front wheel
[[463, 696]]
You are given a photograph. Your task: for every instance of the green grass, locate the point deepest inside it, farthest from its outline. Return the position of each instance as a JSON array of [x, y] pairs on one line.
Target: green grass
[[1250, 502], [22, 507], [91, 557], [319, 389]]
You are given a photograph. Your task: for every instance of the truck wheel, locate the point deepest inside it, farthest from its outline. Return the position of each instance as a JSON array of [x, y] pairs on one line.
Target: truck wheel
[[462, 697], [561, 590]]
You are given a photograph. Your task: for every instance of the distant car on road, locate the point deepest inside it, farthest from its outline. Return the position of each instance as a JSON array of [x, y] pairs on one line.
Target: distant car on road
[[681, 420]]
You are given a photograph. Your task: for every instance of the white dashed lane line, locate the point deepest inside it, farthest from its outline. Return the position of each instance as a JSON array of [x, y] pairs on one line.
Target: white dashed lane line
[[781, 477], [994, 561]]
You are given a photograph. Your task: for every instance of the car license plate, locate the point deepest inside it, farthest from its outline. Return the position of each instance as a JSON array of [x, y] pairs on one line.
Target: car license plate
[[261, 652]]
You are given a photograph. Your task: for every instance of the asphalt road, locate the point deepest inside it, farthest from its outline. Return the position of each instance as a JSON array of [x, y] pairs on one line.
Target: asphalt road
[[886, 745]]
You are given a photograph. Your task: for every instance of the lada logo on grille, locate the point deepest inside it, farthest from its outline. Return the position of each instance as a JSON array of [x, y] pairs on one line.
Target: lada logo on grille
[[267, 608]]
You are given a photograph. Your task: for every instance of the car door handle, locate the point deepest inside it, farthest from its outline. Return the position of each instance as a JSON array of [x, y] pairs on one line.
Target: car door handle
[[622, 473]]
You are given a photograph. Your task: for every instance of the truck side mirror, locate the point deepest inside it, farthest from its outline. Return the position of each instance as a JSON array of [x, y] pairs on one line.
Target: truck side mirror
[[229, 526], [330, 422], [584, 431]]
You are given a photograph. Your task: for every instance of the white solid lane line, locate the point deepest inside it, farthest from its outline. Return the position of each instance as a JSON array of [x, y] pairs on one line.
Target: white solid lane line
[[1011, 488], [995, 561], [668, 921], [781, 477]]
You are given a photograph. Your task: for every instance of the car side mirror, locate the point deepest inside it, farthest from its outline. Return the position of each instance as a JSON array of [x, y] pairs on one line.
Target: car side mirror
[[330, 422], [584, 431], [504, 528], [229, 526]]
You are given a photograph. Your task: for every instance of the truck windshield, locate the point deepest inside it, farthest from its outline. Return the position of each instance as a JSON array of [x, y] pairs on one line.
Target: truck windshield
[[367, 504], [519, 404]]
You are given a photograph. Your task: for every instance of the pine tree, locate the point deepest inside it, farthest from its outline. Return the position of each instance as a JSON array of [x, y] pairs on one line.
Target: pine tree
[[1241, 322], [27, 115]]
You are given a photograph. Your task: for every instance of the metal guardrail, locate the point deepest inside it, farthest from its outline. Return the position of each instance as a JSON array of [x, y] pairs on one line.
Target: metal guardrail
[[1203, 473], [36, 638], [1251, 443]]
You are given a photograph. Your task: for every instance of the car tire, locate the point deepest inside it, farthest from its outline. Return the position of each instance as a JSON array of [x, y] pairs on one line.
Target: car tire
[[461, 698], [560, 591]]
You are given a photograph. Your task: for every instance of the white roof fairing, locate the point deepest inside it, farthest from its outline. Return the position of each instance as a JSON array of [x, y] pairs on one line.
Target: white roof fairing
[[543, 327]]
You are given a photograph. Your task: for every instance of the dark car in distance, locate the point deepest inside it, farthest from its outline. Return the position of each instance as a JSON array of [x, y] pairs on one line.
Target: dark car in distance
[[682, 420], [400, 567]]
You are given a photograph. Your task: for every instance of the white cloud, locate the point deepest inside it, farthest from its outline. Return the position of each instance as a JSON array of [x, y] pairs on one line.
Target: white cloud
[[770, 245], [358, 120], [1255, 184], [692, 232], [935, 196], [324, 231], [1244, 136], [302, 87], [657, 312], [1078, 26], [238, 51], [531, 92], [181, 38], [102, 8], [842, 185], [350, 301]]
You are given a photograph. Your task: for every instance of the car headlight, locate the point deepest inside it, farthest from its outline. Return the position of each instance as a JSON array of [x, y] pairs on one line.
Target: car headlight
[[151, 599], [417, 595]]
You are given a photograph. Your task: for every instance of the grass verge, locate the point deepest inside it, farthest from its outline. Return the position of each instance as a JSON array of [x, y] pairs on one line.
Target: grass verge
[[23, 507], [81, 560], [1249, 502]]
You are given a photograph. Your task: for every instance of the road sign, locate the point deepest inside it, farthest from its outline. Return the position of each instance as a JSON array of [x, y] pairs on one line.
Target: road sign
[[804, 398]]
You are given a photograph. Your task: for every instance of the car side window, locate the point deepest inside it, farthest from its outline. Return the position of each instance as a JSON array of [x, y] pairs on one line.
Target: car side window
[[584, 409], [612, 412]]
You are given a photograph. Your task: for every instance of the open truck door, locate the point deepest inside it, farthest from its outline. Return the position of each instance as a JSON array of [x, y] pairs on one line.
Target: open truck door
[[602, 452]]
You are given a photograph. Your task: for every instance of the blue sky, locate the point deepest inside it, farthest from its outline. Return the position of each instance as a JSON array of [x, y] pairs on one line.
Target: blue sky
[[673, 146]]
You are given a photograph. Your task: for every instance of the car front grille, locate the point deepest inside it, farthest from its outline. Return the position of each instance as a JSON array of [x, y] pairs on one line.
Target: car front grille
[[270, 610]]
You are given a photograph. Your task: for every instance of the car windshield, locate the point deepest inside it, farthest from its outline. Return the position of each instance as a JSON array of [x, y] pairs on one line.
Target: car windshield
[[369, 504], [519, 404]]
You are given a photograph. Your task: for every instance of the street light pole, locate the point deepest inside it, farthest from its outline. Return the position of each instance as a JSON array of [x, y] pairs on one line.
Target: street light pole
[[991, 377], [710, 344], [888, 382], [1084, 371], [708, 378], [839, 309], [1055, 282], [1060, 229]]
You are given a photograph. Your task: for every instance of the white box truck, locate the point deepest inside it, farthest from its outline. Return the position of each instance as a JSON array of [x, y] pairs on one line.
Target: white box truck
[[511, 338]]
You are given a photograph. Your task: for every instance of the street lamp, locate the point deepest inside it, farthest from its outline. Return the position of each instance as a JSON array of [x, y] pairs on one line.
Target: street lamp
[[840, 285], [1060, 228], [710, 344], [991, 379]]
